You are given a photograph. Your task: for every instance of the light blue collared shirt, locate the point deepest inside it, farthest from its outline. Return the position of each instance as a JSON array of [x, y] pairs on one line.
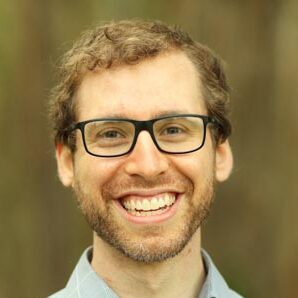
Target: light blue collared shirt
[[85, 283]]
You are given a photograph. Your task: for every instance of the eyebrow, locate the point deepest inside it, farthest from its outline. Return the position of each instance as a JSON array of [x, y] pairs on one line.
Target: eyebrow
[[170, 113], [155, 115]]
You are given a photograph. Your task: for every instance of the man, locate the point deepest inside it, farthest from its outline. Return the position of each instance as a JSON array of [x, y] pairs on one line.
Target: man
[[140, 125]]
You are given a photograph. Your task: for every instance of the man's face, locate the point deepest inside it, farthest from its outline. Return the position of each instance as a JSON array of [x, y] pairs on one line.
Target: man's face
[[164, 85]]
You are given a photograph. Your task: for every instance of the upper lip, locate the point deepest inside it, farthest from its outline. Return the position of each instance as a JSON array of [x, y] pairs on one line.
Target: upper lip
[[146, 192]]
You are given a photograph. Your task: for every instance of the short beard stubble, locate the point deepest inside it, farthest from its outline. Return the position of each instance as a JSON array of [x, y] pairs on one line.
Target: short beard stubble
[[102, 220]]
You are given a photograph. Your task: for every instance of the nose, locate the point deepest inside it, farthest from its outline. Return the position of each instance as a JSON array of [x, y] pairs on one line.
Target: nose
[[146, 160]]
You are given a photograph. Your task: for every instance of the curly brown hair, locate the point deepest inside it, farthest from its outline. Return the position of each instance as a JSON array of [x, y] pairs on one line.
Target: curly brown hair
[[129, 42]]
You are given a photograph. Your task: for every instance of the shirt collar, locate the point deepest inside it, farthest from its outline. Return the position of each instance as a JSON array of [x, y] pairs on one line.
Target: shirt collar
[[84, 282], [214, 285]]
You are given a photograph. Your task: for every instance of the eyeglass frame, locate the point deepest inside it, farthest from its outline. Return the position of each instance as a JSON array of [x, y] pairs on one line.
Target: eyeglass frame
[[143, 125]]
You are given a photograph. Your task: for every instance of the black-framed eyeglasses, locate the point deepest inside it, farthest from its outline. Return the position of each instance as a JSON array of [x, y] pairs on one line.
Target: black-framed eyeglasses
[[112, 137]]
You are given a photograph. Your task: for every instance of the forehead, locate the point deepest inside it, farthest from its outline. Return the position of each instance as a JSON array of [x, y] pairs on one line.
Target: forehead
[[166, 84]]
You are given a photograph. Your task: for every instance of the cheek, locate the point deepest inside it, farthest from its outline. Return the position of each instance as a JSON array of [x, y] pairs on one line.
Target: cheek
[[95, 171], [196, 166]]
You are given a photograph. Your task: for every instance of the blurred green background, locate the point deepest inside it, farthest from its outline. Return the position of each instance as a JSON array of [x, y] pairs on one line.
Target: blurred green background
[[252, 231]]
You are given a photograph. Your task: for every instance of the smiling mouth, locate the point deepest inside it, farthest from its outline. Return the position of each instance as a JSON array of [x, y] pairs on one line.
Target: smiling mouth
[[149, 205]]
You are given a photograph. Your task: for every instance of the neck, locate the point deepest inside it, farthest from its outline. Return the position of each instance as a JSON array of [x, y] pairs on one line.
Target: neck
[[181, 276]]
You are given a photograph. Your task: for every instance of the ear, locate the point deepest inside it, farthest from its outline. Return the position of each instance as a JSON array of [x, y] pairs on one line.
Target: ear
[[65, 164], [223, 161]]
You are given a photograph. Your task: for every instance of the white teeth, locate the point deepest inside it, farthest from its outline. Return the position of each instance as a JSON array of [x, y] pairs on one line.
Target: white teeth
[[146, 205], [170, 200], [138, 205], [161, 202], [167, 200], [132, 205], [127, 204], [154, 205]]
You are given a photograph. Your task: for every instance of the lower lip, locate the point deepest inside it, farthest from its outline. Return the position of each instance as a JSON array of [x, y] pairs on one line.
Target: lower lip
[[150, 219]]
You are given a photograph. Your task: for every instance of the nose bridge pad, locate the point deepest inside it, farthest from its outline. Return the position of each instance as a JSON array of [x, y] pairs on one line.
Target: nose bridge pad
[[144, 126]]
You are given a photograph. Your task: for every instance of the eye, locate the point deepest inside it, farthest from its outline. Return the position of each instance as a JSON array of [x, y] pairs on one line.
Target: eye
[[104, 134], [109, 137], [172, 130], [110, 134]]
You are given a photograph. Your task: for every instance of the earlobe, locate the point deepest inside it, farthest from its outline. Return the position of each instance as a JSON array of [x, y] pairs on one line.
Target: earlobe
[[223, 161], [64, 164]]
